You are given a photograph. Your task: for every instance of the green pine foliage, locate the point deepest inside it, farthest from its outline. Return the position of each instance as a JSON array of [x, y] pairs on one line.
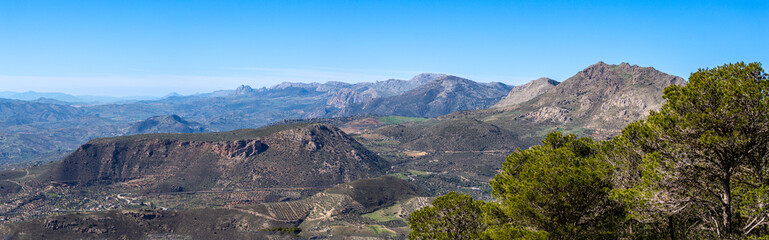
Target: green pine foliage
[[561, 187], [697, 169], [452, 216], [702, 160]]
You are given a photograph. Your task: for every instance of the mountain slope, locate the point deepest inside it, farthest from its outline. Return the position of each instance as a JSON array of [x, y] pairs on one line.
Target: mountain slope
[[442, 96], [280, 156], [602, 97], [16, 112], [526, 92], [46, 129], [165, 124], [346, 96]]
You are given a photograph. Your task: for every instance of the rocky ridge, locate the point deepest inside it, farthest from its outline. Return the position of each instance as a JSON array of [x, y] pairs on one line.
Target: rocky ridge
[[526, 92], [279, 156], [441, 96], [602, 97]]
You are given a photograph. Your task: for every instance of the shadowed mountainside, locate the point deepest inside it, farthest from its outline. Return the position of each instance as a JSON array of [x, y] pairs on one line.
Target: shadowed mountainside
[[279, 156], [165, 124]]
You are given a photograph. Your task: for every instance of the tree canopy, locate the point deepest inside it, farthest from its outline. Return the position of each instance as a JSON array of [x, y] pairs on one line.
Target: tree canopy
[[452, 216], [558, 190], [703, 156], [561, 187], [698, 168]]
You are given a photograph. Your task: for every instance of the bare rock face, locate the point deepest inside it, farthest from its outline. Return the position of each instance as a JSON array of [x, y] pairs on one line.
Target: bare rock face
[[347, 96], [240, 149], [602, 97], [244, 90], [363, 93], [277, 156], [526, 92], [554, 114]]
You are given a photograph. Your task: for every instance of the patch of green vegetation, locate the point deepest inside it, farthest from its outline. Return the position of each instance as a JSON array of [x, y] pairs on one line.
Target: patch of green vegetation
[[579, 131], [419, 173], [385, 215], [399, 119], [388, 142], [375, 228], [399, 175]]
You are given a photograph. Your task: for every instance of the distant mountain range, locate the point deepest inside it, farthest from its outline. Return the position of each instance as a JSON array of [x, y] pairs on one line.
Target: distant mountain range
[[441, 96], [63, 98], [335, 157], [68, 125]]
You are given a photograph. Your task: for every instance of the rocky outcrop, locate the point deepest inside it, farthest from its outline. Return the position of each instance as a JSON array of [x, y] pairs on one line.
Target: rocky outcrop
[[554, 114], [526, 92], [346, 97], [277, 156], [244, 90], [240, 149]]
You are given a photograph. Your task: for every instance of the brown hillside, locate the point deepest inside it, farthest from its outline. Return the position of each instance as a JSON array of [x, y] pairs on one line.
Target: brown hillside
[[601, 97], [280, 156]]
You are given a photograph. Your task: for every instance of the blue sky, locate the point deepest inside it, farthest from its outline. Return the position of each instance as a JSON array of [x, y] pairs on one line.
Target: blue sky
[[123, 48]]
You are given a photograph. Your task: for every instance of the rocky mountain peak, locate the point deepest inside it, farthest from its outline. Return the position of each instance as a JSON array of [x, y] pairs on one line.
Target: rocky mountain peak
[[285, 85], [609, 77], [244, 90], [544, 80], [424, 78], [526, 92], [451, 79], [603, 96]]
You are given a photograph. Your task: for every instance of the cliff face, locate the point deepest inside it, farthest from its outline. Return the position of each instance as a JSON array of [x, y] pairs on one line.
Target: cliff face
[[279, 156]]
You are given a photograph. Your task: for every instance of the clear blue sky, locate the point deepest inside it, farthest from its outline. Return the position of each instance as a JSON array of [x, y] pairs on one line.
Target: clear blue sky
[[121, 48]]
